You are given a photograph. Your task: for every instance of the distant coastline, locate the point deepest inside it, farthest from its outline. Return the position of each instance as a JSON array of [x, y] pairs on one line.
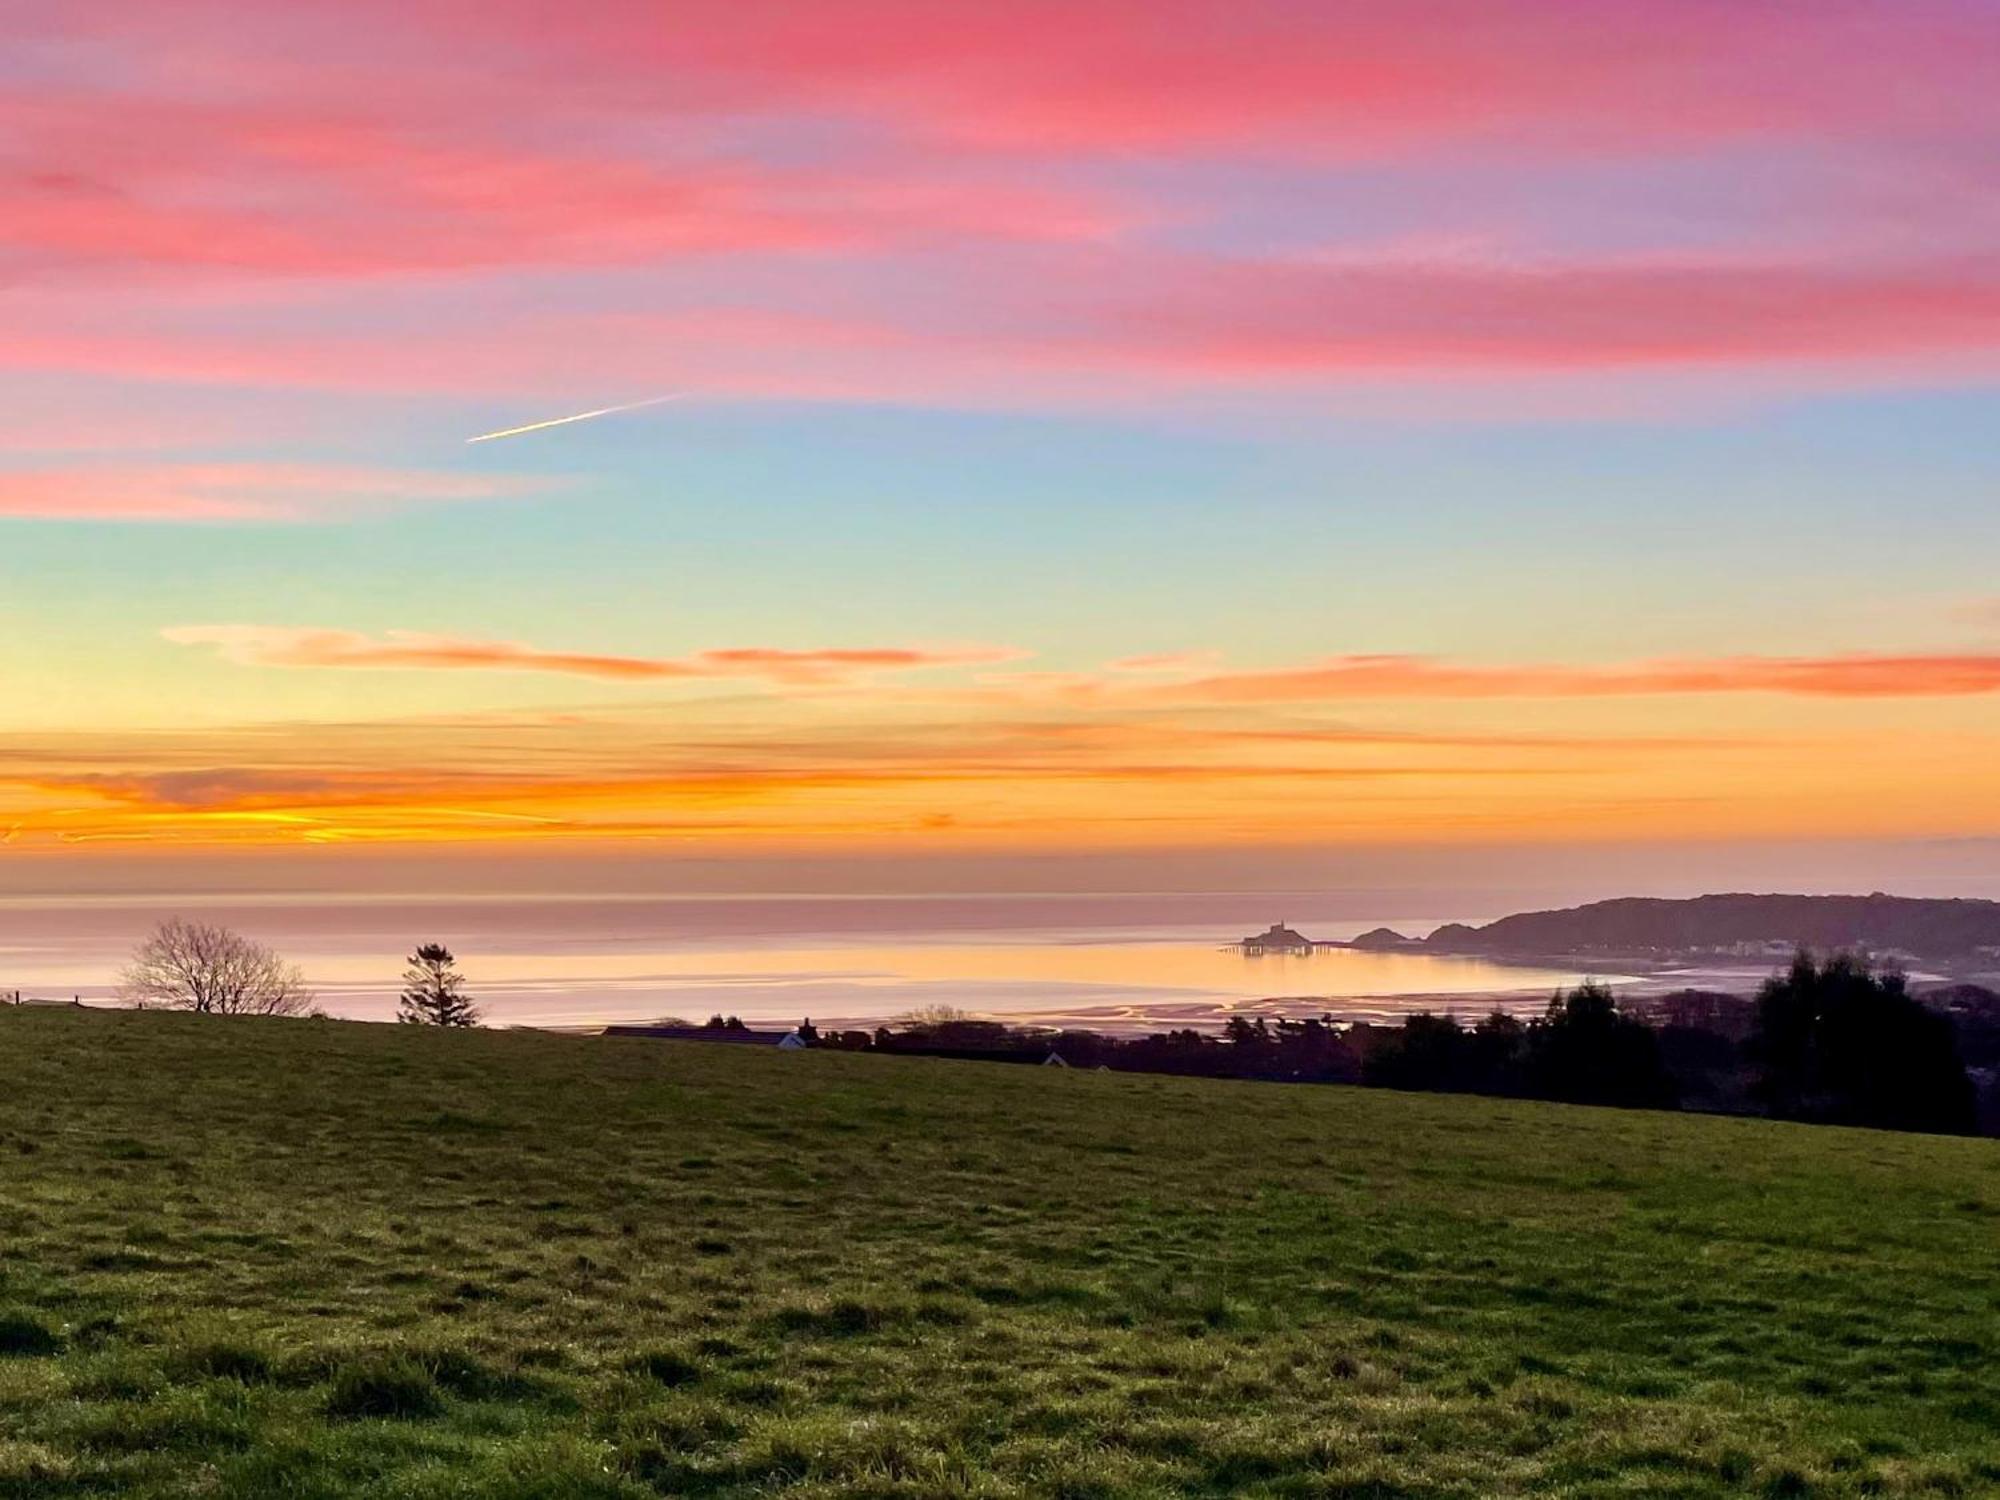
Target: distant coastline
[[1125, 963], [1957, 937]]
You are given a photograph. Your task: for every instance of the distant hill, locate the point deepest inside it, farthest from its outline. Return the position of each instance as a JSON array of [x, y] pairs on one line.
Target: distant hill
[[1385, 939], [1931, 928]]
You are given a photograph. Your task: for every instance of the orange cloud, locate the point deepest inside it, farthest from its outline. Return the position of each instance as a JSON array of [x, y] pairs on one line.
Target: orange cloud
[[601, 780], [738, 772], [1850, 675], [1167, 661], [286, 646]]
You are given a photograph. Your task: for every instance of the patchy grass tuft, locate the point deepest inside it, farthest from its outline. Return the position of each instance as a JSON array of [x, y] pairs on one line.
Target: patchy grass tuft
[[668, 1366], [383, 1386], [23, 1334]]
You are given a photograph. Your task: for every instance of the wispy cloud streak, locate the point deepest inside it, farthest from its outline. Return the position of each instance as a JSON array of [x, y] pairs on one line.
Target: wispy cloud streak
[[196, 492], [286, 646], [1849, 675]]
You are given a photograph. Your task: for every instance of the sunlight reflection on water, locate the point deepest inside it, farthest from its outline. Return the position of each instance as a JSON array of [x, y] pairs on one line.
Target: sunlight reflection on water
[[1123, 962]]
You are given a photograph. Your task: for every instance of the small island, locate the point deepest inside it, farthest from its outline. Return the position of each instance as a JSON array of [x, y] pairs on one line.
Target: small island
[[1383, 940], [1277, 938]]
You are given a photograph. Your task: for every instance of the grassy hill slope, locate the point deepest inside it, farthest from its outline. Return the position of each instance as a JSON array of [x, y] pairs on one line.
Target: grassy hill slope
[[256, 1258]]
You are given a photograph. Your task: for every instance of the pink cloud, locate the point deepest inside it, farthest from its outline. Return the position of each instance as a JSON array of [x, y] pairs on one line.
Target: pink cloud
[[1327, 80], [663, 161], [286, 646], [318, 188], [246, 138], [235, 491], [430, 210], [1159, 324], [1273, 318]]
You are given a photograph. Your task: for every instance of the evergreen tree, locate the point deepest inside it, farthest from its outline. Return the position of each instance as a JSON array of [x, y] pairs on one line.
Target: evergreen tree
[[432, 993]]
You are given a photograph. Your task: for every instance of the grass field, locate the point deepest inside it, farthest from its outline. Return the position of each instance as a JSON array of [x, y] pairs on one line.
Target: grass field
[[291, 1258]]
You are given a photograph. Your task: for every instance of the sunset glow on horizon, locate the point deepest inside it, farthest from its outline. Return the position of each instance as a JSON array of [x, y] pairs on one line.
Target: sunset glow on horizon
[[1095, 426]]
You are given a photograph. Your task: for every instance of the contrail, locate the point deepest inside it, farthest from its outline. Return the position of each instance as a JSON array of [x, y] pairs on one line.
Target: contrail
[[582, 416]]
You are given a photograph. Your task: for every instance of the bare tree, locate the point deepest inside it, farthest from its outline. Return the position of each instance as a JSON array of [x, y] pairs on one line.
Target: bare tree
[[433, 993], [195, 966], [934, 1015]]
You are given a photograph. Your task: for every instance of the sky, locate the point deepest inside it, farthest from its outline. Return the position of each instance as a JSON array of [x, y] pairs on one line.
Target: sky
[[1144, 432]]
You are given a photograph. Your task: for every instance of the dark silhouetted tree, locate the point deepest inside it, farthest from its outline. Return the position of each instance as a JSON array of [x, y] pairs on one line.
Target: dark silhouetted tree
[[1836, 1042], [1437, 1053], [1497, 1045], [1427, 1052], [929, 1017], [1312, 1051], [433, 990], [1241, 1031], [1583, 1051]]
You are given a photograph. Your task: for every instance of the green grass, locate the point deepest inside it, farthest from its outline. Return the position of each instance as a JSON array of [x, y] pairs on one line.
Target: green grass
[[289, 1258]]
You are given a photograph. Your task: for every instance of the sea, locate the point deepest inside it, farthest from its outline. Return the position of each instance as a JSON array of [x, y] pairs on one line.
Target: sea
[[1116, 962]]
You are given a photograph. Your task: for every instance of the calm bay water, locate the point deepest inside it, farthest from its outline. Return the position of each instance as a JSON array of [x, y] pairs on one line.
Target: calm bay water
[[1119, 961]]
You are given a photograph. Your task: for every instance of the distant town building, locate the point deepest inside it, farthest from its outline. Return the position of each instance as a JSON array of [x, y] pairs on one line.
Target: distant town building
[[1727, 1015], [1772, 948]]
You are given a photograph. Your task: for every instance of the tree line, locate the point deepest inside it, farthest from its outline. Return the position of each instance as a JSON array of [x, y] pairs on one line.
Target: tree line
[[213, 970], [1830, 1041]]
